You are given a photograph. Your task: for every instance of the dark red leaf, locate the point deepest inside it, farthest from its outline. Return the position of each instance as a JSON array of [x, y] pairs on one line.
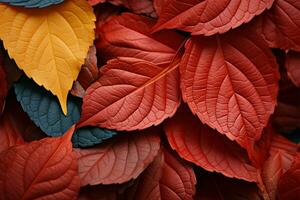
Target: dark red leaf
[[292, 65], [3, 84], [45, 169], [231, 83], [280, 26], [218, 187], [167, 178], [289, 183], [208, 17], [205, 147], [118, 160], [131, 94], [129, 35], [287, 117]]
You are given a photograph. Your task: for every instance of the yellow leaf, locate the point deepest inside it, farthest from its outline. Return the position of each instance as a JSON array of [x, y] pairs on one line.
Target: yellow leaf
[[49, 44]]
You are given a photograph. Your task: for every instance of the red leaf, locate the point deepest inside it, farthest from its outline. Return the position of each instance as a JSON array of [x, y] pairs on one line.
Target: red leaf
[[129, 35], [119, 160], [280, 26], [87, 75], [289, 184], [230, 82], [292, 65], [282, 154], [45, 169], [205, 147], [287, 117], [95, 2], [208, 17], [131, 94], [167, 178], [104, 13], [217, 187]]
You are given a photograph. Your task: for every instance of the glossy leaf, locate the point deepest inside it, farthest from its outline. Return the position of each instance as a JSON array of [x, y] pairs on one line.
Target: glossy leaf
[[90, 136], [130, 35], [166, 178], [208, 17], [50, 44], [231, 83], [119, 160], [43, 169], [282, 155], [44, 110], [280, 26], [32, 3], [206, 148], [289, 184], [131, 94], [217, 187], [292, 65]]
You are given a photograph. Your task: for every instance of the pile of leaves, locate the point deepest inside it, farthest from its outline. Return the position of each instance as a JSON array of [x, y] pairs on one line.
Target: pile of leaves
[[142, 99]]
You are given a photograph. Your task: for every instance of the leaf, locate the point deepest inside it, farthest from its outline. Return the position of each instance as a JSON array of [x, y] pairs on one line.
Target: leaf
[[44, 169], [131, 94], [288, 187], [130, 35], [104, 13], [231, 83], [167, 178], [282, 154], [118, 161], [208, 17], [280, 26], [50, 45], [217, 187], [32, 3], [206, 148], [292, 65], [3, 85], [90, 136], [286, 117], [44, 110]]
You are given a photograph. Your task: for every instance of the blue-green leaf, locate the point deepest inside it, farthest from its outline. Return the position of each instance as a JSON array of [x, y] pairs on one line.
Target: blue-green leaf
[[43, 108], [90, 136], [32, 3]]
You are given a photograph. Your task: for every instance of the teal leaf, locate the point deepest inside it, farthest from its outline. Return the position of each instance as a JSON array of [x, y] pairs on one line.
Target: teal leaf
[[90, 136], [43, 108], [32, 3]]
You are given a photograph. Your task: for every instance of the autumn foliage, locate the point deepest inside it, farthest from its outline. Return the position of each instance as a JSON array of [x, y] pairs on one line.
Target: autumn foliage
[[150, 99]]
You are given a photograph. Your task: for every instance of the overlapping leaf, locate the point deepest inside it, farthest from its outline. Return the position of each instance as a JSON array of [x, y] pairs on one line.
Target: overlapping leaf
[[205, 147], [230, 82], [289, 184], [50, 45], [280, 26], [130, 35], [166, 178], [90, 136], [3, 84], [44, 110], [32, 3], [42, 169], [119, 160], [208, 17], [131, 94], [292, 65]]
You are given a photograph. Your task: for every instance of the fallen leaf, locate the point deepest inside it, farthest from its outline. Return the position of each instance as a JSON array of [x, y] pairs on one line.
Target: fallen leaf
[[208, 17], [44, 110], [121, 159], [206, 148], [167, 178], [231, 83], [90, 136], [43, 169], [131, 94], [32, 3], [130, 35], [49, 44]]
